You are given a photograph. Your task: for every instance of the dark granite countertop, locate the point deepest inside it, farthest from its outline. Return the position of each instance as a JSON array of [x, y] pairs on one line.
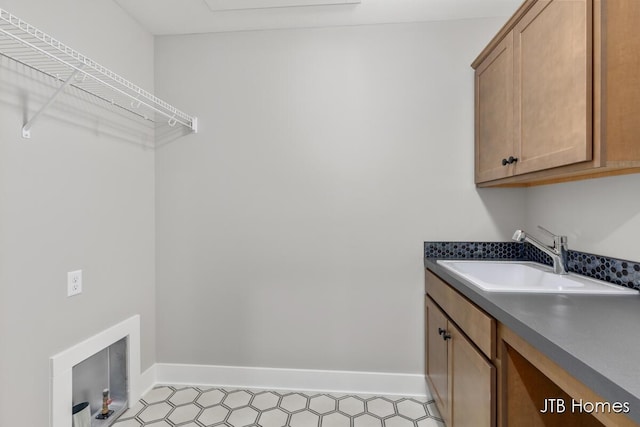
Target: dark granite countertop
[[595, 338]]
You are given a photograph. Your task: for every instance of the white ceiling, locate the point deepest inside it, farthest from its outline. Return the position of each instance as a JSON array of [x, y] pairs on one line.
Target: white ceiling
[[195, 16]]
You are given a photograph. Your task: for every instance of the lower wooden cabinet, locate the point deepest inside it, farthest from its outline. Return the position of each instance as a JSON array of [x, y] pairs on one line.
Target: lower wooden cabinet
[[472, 383], [462, 379], [437, 362], [482, 374]]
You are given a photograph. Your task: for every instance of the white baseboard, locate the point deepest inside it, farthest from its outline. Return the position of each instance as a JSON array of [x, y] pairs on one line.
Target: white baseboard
[[146, 382], [288, 379]]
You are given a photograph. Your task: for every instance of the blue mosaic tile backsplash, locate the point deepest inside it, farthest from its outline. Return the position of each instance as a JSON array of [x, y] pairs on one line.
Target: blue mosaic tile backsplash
[[612, 270], [475, 250]]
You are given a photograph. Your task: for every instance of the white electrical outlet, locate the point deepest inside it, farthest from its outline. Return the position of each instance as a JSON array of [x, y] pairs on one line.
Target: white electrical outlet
[[74, 283]]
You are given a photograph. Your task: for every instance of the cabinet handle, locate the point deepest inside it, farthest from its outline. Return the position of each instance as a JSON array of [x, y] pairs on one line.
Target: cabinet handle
[[441, 331], [509, 161], [446, 336]]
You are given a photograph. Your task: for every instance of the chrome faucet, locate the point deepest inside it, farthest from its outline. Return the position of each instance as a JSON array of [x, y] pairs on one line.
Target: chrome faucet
[[557, 252]]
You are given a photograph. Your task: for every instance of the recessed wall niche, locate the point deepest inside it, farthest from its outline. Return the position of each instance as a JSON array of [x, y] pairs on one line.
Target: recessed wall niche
[[64, 363], [106, 369]]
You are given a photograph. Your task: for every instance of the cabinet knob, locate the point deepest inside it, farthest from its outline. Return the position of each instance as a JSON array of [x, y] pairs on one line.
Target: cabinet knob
[[446, 336], [441, 331], [505, 162]]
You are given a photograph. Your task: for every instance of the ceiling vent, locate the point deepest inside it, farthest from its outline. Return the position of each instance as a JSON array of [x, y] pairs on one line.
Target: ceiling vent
[[223, 5]]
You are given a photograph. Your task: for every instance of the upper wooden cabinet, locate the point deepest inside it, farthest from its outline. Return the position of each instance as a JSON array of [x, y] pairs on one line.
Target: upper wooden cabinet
[[558, 94], [494, 112], [552, 97]]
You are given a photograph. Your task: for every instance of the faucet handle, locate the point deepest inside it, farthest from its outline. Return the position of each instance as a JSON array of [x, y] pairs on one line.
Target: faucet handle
[[557, 239]]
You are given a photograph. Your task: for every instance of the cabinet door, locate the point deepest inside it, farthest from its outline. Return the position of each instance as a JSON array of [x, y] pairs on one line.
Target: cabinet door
[[437, 358], [553, 85], [472, 383], [494, 113]]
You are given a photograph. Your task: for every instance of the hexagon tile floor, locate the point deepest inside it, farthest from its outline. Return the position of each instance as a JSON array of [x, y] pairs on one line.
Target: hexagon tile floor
[[168, 406]]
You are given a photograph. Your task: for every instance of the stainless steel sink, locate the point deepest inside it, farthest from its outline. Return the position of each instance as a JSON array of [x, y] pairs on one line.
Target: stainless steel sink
[[529, 277]]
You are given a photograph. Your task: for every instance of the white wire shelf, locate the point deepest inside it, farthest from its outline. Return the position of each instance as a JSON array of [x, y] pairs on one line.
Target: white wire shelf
[[29, 46]]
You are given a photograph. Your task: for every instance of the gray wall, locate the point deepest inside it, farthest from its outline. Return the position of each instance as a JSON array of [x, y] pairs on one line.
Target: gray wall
[[290, 228], [599, 216], [78, 195]]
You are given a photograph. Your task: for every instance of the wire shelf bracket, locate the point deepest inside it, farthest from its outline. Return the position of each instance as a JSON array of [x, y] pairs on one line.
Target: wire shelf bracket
[[26, 129], [32, 47]]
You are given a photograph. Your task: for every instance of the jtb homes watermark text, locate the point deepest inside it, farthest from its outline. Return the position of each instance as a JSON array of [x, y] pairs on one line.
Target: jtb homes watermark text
[[560, 406]]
